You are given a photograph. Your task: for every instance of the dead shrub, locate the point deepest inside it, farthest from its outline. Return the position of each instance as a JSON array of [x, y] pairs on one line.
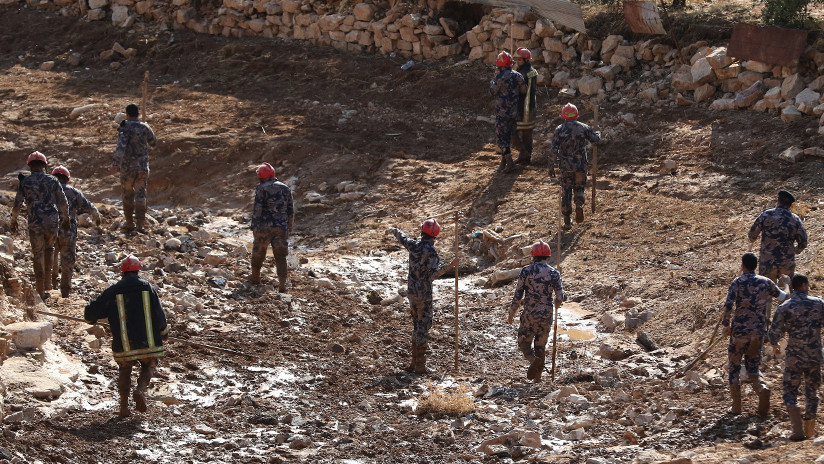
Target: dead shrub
[[457, 402]]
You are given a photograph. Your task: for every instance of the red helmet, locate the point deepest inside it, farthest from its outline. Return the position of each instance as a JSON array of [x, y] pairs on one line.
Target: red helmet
[[62, 171], [37, 156], [541, 248], [570, 112], [504, 60], [524, 53], [265, 171], [431, 227], [131, 263]]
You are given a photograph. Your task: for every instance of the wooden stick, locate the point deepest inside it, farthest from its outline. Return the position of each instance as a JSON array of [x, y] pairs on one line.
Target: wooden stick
[[558, 260], [171, 339], [456, 292], [144, 89], [594, 162]]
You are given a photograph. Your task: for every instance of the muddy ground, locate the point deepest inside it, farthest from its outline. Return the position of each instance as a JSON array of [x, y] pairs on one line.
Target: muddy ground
[[328, 384]]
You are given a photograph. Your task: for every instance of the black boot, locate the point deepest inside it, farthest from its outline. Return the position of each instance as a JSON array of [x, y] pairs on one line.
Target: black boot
[[567, 222], [510, 165]]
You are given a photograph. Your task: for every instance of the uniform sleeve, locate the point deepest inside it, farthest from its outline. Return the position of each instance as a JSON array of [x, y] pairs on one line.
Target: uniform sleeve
[[773, 290], [497, 85], [290, 206], [97, 308], [755, 230], [150, 136], [519, 287], [726, 313], [800, 237], [158, 315], [405, 241], [84, 205], [593, 136], [122, 143], [556, 146], [559, 288], [60, 197], [18, 201], [257, 208], [777, 328]]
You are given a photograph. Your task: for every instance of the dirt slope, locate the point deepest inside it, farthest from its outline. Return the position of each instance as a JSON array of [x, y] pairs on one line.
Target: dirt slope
[[330, 362]]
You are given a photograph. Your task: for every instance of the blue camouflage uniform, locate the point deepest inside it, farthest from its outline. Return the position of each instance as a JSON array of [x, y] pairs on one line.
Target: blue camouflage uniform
[[569, 152], [536, 284], [272, 216], [779, 228], [751, 294], [66, 252], [46, 203], [423, 269], [131, 157], [506, 87], [801, 317]]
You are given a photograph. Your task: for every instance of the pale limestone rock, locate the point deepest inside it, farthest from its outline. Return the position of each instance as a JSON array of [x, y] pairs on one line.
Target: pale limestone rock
[[723, 104], [608, 72], [760, 106], [758, 66], [748, 97], [96, 14], [748, 78], [364, 11], [773, 97], [47, 66], [94, 4], [30, 335], [544, 28], [704, 93], [627, 51], [560, 79], [817, 84], [792, 86], [807, 96], [590, 85], [610, 43], [554, 45], [682, 81], [520, 31], [680, 100], [790, 114], [730, 72], [792, 154], [718, 59], [625, 63]]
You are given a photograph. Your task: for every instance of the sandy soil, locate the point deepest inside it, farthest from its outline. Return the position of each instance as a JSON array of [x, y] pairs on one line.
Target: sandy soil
[[329, 362]]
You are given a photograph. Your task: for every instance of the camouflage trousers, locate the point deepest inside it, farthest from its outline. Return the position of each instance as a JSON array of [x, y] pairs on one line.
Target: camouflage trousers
[[421, 311], [522, 139], [504, 128], [572, 182], [133, 183], [65, 257], [533, 333], [792, 381], [746, 347], [773, 270], [279, 240], [42, 238]]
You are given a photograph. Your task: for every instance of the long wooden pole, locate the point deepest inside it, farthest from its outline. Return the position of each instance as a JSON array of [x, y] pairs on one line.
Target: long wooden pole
[[145, 90], [558, 266], [171, 339], [594, 162], [456, 292]]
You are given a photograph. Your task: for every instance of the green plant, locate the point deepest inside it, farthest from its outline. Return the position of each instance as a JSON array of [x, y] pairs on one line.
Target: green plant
[[787, 13]]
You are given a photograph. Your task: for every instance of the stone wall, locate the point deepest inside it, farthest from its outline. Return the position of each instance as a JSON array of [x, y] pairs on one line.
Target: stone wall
[[580, 66]]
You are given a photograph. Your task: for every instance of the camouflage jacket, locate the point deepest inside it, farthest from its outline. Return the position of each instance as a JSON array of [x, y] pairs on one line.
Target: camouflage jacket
[[779, 229], [750, 293], [801, 317], [78, 204], [569, 146], [536, 284], [273, 206], [133, 141], [506, 87], [424, 264], [44, 199]]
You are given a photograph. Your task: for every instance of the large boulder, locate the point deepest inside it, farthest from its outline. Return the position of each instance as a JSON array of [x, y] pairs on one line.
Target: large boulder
[[730, 72], [364, 11], [718, 58], [792, 86], [590, 85], [704, 92], [773, 97], [747, 98], [30, 335]]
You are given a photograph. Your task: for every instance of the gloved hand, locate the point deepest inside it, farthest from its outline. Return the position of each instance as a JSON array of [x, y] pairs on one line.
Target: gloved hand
[[513, 308], [65, 224], [21, 176], [783, 281], [552, 172]]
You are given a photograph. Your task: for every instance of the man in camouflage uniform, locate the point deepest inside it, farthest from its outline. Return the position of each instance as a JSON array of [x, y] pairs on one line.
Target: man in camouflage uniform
[[47, 207], [536, 284], [522, 138], [747, 327], [782, 237], [131, 158], [569, 152], [423, 269], [801, 317], [272, 217], [506, 86], [66, 252]]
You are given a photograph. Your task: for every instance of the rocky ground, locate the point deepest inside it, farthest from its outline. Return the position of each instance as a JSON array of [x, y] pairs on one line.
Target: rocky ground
[[367, 146]]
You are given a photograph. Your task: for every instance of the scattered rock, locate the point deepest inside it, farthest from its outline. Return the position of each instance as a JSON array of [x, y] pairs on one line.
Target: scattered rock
[[30, 335], [791, 154]]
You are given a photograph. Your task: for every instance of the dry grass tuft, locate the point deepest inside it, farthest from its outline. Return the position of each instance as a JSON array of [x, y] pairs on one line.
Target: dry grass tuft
[[437, 400]]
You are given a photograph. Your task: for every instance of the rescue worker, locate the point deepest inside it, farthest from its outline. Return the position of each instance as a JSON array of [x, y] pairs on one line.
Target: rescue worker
[[782, 237], [506, 87], [272, 217], [522, 138], [536, 284], [747, 327], [65, 255], [801, 317], [424, 267], [138, 325], [569, 152], [47, 206], [131, 158]]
